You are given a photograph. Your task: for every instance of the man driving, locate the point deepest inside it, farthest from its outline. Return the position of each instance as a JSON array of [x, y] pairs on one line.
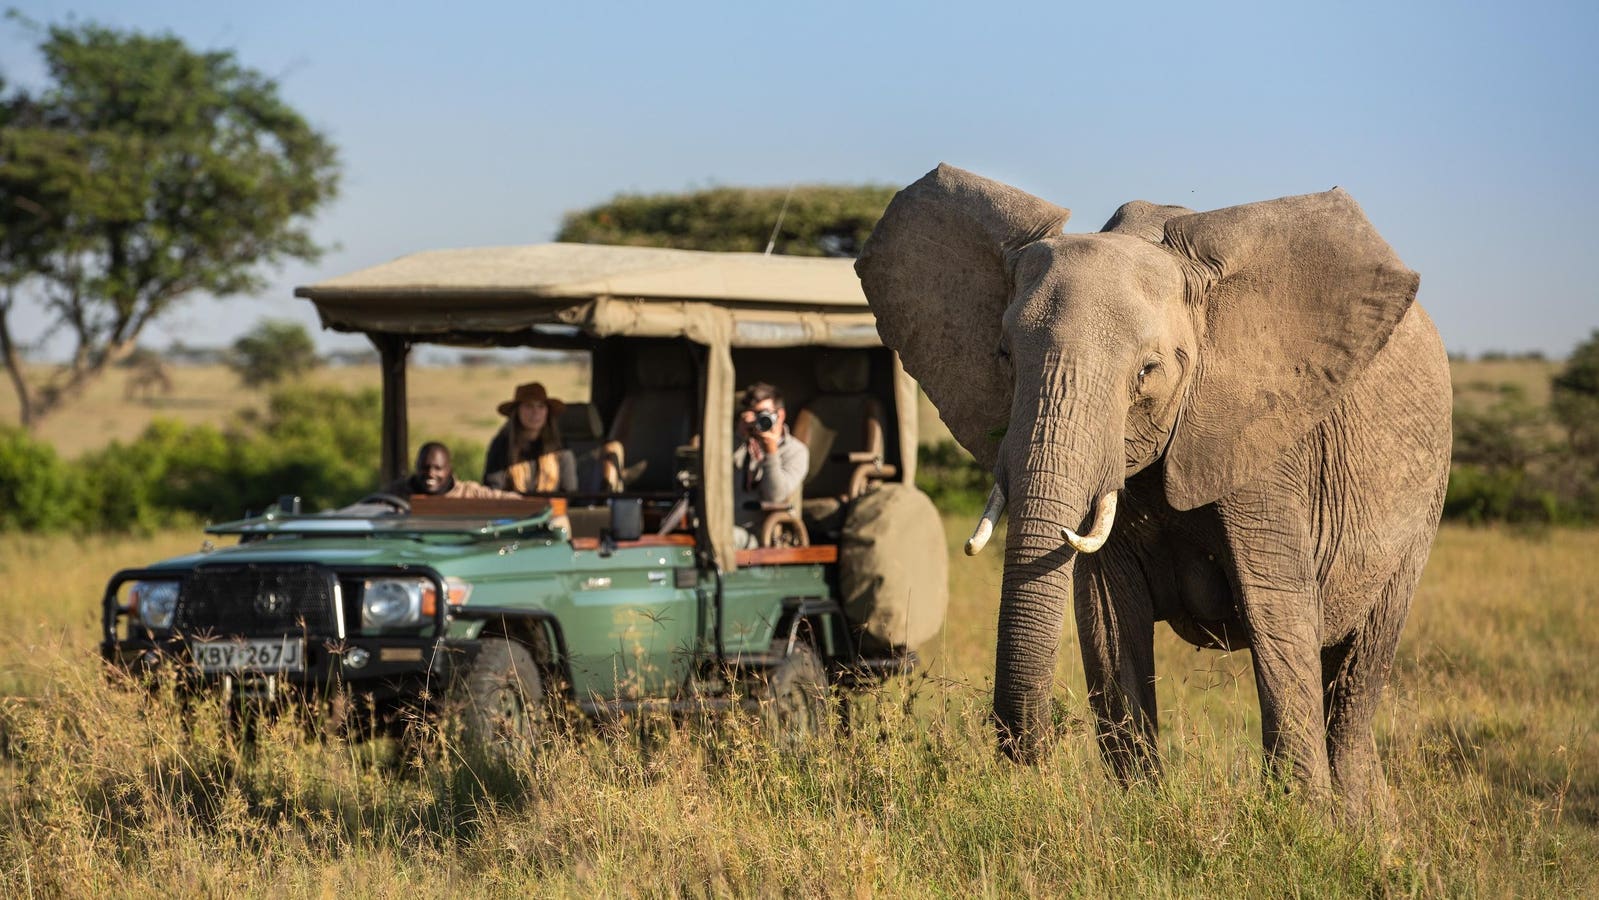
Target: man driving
[[435, 476], [769, 463]]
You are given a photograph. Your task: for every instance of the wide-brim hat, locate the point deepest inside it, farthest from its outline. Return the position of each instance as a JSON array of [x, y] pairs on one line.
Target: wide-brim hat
[[533, 390]]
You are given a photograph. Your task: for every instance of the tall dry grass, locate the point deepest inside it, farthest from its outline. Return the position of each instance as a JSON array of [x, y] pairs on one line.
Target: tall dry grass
[[1488, 734]]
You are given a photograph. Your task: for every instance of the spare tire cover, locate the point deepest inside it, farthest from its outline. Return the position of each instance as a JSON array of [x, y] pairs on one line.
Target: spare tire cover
[[894, 568]]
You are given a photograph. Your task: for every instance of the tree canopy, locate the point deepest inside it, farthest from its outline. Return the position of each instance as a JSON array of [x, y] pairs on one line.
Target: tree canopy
[[273, 350], [816, 220], [143, 173]]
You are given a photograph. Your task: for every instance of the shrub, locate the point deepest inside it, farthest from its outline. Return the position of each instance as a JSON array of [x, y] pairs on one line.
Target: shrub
[[38, 490], [322, 445], [1574, 399]]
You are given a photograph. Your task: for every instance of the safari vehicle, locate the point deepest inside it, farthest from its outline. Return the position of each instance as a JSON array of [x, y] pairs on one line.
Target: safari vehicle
[[629, 593]]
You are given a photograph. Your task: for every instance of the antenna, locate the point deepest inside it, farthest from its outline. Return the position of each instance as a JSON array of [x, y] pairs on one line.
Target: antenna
[[772, 241]]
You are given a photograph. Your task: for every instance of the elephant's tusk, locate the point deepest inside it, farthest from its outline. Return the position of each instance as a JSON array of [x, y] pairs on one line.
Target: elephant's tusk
[[985, 525], [1104, 518]]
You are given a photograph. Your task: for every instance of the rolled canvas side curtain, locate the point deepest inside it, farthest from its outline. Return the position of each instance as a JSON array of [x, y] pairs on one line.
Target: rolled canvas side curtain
[[717, 443]]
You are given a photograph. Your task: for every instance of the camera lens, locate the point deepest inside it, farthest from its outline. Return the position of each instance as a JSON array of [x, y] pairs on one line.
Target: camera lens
[[764, 420]]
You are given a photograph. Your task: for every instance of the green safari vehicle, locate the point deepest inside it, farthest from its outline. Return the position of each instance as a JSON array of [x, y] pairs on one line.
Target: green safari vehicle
[[628, 594]]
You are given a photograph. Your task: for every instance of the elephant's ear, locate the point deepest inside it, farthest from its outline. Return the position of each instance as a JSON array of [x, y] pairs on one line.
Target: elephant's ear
[[936, 272], [1296, 297]]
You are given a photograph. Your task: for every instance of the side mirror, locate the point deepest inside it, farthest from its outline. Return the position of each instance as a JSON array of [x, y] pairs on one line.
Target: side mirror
[[627, 518]]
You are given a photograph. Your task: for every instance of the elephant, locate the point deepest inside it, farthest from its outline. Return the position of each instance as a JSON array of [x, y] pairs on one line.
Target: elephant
[[1235, 421]]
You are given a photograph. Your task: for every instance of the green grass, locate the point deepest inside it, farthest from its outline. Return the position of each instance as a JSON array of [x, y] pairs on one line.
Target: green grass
[[1488, 734]]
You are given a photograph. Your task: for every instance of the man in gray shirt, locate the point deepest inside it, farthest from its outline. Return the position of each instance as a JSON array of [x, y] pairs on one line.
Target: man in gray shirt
[[769, 463]]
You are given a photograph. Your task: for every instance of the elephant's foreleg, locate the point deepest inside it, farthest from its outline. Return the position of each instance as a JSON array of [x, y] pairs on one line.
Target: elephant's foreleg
[[1355, 670], [1286, 651], [1116, 629], [1276, 586]]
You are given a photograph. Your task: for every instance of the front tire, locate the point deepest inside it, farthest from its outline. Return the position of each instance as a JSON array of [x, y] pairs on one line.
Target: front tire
[[500, 698]]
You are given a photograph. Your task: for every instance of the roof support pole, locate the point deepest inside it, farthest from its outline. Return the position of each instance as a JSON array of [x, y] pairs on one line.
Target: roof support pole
[[392, 352]]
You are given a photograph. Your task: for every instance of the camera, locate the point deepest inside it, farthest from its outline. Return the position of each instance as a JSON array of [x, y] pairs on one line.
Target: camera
[[765, 420]]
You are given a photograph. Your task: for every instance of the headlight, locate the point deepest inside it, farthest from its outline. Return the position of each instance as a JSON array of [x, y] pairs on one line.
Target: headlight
[[155, 602], [402, 602], [391, 602]]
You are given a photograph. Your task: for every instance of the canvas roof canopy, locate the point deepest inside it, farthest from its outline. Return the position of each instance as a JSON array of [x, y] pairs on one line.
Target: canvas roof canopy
[[719, 300], [765, 300]]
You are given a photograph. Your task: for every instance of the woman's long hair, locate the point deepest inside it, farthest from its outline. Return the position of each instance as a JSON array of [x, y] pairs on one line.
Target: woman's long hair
[[548, 465]]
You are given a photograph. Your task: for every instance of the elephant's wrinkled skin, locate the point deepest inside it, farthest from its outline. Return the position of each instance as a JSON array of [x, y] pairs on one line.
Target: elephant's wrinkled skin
[[1259, 390]]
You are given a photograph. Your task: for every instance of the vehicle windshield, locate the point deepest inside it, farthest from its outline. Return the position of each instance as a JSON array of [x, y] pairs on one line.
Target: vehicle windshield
[[376, 519]]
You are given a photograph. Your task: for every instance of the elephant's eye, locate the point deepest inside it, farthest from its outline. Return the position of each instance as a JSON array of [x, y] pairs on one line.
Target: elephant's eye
[[1004, 352], [1148, 369]]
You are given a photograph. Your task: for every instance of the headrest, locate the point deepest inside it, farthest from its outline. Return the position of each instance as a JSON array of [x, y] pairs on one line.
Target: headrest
[[843, 372], [580, 422], [663, 367]]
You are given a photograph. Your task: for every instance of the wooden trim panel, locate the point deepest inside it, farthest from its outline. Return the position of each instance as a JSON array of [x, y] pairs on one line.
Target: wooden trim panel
[[779, 556], [648, 540], [481, 507]]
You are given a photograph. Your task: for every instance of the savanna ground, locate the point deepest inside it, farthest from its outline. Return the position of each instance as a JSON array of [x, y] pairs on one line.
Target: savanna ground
[[1488, 733]]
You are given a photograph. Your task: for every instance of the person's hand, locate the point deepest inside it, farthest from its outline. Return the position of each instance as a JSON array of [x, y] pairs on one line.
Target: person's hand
[[769, 439], [523, 479]]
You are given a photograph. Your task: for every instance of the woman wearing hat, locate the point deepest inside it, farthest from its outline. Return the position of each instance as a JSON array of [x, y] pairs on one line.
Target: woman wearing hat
[[526, 454]]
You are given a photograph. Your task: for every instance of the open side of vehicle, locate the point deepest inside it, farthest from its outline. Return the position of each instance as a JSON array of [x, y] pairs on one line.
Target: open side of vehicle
[[629, 592]]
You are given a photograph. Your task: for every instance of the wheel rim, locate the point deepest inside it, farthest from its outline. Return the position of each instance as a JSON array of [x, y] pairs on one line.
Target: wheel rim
[[509, 717]]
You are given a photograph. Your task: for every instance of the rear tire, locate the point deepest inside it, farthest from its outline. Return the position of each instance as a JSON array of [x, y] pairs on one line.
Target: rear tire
[[794, 700], [500, 698]]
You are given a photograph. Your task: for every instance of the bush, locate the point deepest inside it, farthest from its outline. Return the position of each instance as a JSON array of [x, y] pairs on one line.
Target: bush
[[1574, 399], [322, 445], [38, 491]]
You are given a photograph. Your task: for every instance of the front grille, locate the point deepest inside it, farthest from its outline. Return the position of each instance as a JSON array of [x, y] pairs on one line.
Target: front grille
[[252, 599]]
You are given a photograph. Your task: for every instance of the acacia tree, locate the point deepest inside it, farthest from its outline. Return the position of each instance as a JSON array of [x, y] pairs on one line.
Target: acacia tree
[[816, 220], [273, 350], [144, 173]]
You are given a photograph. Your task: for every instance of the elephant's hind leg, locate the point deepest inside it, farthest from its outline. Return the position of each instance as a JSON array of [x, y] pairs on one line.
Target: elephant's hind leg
[[1355, 671]]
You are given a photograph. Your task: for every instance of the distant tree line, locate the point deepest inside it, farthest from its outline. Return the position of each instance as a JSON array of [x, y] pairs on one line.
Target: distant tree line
[[1518, 461], [1515, 461]]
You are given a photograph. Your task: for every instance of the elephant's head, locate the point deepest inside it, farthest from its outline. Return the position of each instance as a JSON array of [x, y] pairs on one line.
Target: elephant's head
[[1207, 342]]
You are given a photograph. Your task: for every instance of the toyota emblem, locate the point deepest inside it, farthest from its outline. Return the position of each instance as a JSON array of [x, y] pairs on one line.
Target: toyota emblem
[[271, 603]]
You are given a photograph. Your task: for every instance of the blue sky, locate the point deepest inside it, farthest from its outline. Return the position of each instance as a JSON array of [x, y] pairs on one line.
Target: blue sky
[[1469, 132]]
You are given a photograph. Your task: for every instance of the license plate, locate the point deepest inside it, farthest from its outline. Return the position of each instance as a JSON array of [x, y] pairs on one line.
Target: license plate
[[249, 655]]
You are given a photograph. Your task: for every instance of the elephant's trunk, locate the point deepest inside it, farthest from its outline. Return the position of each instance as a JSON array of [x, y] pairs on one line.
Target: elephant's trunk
[[1064, 452], [1036, 592]]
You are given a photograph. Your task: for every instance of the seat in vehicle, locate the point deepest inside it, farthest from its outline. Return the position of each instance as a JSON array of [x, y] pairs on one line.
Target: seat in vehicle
[[843, 427], [583, 435], [654, 419]]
